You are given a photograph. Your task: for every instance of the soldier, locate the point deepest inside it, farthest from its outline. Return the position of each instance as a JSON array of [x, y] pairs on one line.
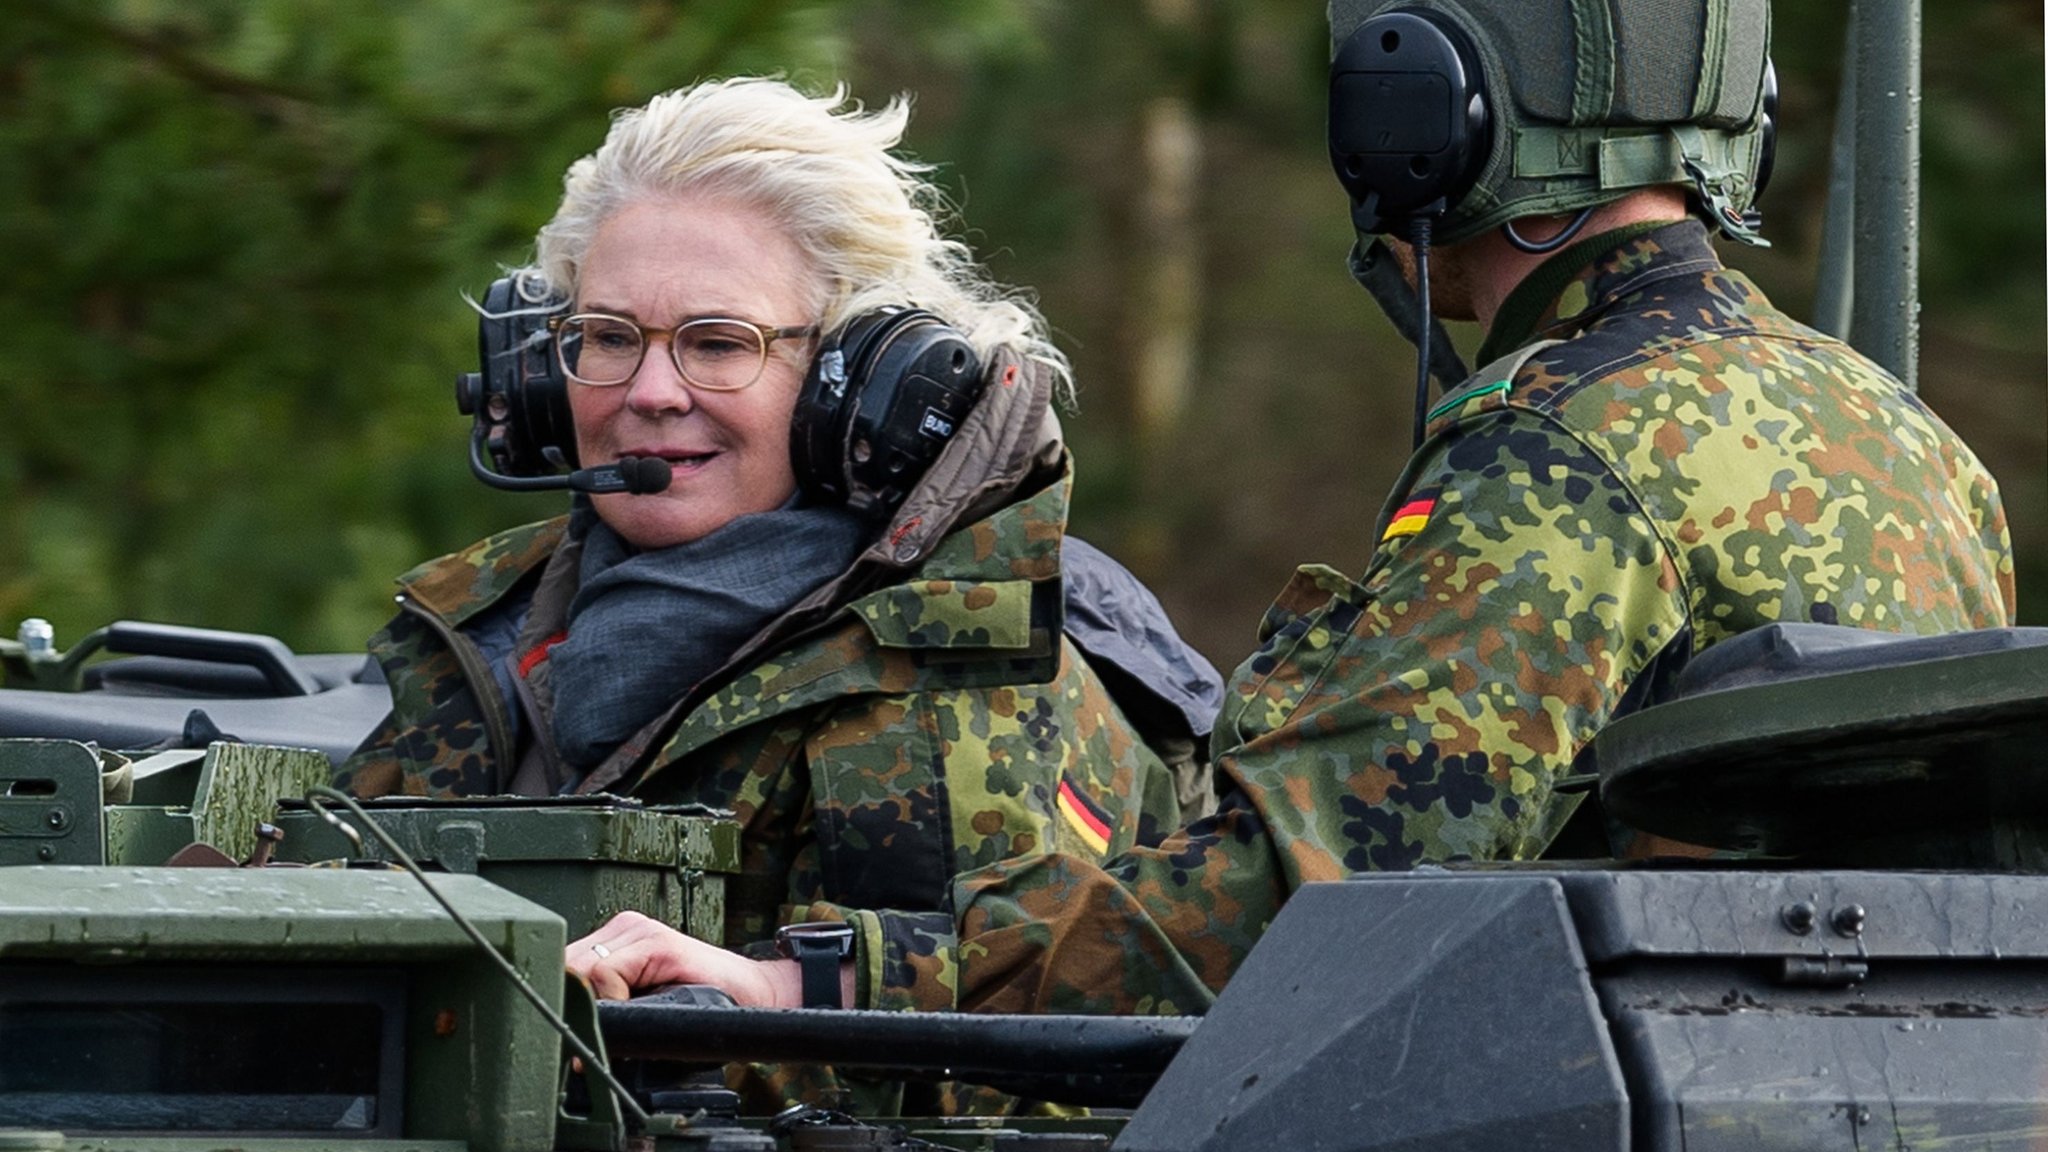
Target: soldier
[[1654, 459], [891, 666]]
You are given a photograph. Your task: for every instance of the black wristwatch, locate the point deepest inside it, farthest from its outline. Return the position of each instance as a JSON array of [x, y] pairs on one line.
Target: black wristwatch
[[818, 948]]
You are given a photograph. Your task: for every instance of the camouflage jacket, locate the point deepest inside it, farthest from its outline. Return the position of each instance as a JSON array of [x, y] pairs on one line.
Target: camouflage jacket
[[1686, 464], [937, 725]]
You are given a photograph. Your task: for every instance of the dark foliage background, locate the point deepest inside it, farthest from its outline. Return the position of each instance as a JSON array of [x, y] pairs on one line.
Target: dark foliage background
[[236, 231]]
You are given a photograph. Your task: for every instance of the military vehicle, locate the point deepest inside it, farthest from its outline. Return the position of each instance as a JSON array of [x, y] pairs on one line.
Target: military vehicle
[[201, 948]]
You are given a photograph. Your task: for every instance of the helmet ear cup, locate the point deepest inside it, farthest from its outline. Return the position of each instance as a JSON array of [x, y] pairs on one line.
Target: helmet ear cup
[[882, 398], [1410, 126]]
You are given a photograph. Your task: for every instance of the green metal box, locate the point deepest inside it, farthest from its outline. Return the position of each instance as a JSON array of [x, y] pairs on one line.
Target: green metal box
[[585, 858], [299, 1009]]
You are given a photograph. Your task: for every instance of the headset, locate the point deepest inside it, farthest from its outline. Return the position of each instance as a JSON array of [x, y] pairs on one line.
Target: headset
[[1411, 126], [883, 396], [1411, 122], [881, 399]]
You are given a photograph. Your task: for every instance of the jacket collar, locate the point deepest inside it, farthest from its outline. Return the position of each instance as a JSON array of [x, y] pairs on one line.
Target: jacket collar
[[457, 586], [1569, 291], [986, 608]]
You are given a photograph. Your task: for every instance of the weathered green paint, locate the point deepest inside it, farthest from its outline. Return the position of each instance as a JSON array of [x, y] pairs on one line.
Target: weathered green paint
[[540, 831], [584, 862], [51, 792], [705, 896], [139, 835], [604, 1128], [240, 785], [49, 803], [153, 1143], [482, 1066]]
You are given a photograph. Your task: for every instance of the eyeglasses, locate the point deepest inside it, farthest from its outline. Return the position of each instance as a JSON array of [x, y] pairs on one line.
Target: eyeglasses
[[719, 355]]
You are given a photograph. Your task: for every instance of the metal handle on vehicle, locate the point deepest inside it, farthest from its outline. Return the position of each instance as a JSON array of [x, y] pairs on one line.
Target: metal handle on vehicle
[[266, 654]]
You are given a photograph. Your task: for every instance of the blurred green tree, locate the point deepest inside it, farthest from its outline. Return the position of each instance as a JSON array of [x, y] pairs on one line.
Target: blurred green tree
[[238, 230]]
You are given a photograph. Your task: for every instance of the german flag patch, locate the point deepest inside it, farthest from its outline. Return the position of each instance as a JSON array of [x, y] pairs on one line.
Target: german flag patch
[[1088, 821], [1410, 517]]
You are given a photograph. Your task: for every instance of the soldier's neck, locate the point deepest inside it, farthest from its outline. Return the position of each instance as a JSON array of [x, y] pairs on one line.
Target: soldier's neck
[[1495, 268]]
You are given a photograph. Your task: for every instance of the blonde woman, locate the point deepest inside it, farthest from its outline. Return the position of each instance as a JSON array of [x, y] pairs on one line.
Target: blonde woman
[[884, 683]]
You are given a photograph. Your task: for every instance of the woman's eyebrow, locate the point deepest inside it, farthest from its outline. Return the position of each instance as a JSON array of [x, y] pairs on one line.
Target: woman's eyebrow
[[629, 314]]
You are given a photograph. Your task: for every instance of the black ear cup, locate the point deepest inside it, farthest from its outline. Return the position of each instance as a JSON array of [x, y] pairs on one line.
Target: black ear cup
[[883, 396], [520, 398], [1409, 122]]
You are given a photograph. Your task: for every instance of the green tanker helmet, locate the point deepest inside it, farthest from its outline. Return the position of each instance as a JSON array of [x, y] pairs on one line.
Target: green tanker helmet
[[1581, 102]]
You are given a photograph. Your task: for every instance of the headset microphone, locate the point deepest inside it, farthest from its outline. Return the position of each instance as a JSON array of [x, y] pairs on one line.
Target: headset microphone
[[638, 475]]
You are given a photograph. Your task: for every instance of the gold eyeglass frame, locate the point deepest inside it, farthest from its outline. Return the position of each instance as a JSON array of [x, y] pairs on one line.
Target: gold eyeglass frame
[[766, 334]]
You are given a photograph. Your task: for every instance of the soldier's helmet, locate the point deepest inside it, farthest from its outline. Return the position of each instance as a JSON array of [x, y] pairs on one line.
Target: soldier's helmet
[[1578, 102]]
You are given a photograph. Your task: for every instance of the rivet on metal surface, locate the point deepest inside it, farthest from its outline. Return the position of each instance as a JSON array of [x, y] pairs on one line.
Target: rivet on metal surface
[[1848, 920], [1799, 918], [46, 853], [56, 819]]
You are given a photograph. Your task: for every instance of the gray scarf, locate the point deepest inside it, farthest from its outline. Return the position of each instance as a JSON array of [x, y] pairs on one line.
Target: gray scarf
[[646, 627]]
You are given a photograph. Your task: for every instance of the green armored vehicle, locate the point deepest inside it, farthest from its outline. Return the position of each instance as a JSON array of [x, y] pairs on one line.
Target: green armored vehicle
[[1882, 983], [199, 949]]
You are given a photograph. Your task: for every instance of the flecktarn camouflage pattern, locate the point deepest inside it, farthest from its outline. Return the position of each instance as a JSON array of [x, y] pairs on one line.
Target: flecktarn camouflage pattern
[[946, 706], [939, 725], [1686, 464]]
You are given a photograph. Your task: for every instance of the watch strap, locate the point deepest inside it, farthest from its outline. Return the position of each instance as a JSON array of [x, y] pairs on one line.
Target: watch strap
[[818, 961]]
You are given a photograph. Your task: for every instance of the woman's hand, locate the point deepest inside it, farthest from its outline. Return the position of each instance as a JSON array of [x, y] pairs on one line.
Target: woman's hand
[[633, 953]]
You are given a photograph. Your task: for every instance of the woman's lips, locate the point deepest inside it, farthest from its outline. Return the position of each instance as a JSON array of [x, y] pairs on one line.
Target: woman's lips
[[681, 464]]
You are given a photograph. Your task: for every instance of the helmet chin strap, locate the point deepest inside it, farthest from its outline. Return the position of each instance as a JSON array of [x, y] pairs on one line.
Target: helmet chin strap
[[1376, 270]]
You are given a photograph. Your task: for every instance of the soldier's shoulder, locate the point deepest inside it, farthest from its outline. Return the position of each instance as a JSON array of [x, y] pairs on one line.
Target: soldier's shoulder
[[464, 581], [1715, 344]]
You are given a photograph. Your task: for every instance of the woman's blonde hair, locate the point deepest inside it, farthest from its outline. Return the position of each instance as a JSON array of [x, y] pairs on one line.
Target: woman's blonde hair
[[866, 220]]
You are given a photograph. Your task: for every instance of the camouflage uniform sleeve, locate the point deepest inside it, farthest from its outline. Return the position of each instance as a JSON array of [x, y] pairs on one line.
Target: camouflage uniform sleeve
[[434, 741], [1422, 714], [374, 768]]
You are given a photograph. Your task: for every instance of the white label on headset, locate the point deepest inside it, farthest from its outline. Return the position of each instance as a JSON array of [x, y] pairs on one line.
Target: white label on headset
[[935, 424]]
